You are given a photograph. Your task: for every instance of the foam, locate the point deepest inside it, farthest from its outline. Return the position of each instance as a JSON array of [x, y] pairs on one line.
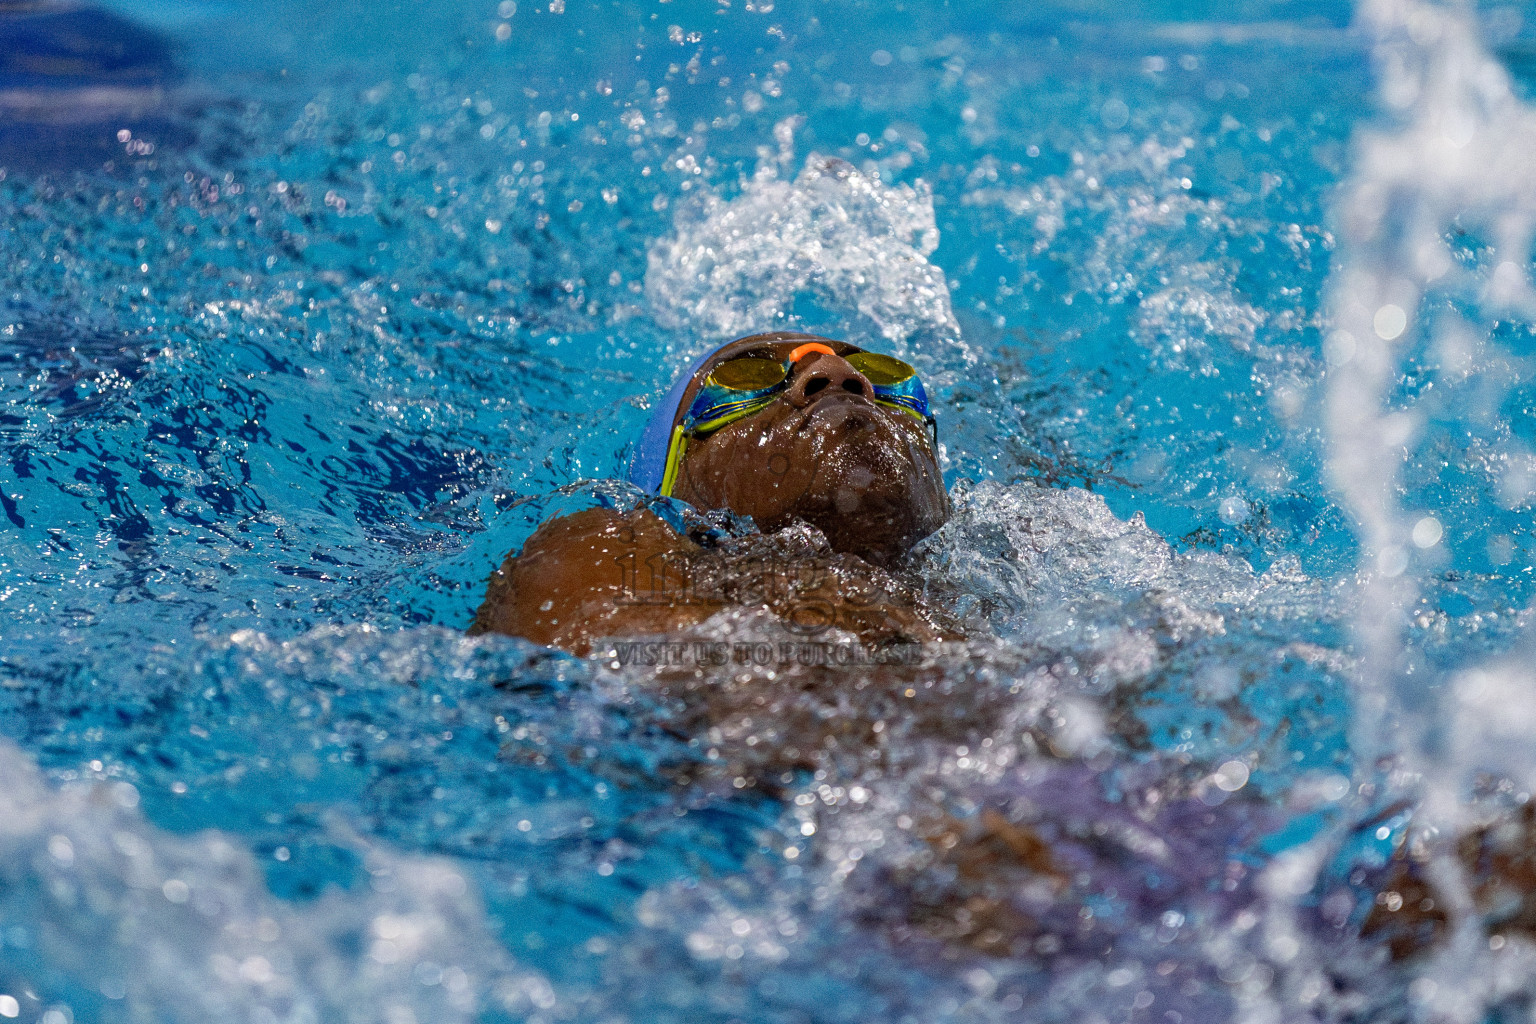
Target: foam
[[1057, 565], [860, 246], [182, 928]]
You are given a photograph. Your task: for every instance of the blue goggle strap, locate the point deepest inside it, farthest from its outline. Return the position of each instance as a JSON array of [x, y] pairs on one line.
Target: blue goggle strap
[[714, 407], [909, 394]]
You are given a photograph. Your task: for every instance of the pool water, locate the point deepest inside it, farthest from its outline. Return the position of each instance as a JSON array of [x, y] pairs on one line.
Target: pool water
[[1224, 312]]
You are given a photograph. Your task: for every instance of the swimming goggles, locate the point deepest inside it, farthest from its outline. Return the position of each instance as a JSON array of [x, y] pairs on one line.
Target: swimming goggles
[[737, 388]]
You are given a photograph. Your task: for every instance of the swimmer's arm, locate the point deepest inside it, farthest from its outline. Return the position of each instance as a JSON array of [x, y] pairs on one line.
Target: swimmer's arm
[[598, 572]]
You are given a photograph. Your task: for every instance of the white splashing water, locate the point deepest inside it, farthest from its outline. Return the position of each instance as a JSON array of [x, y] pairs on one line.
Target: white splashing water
[[173, 928], [855, 244], [1458, 158], [1451, 157], [1059, 567], [1156, 247]]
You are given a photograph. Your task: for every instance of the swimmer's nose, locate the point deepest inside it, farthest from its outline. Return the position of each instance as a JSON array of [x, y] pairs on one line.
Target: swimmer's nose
[[820, 373]]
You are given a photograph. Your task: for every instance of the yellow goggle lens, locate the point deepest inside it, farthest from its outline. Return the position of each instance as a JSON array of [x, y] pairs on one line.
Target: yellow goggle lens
[[881, 370], [747, 374]]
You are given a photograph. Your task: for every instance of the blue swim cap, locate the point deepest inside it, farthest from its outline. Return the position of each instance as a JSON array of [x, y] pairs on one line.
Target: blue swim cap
[[649, 463]]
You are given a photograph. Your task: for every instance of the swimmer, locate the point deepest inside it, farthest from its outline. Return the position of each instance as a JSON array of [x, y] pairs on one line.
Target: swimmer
[[828, 448], [833, 447]]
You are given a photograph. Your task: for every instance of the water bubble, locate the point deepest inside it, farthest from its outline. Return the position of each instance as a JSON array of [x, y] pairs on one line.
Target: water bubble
[[1339, 348], [1390, 321], [1115, 114], [9, 1007], [880, 58], [257, 970], [1233, 511], [1231, 776], [1427, 532], [981, 981]]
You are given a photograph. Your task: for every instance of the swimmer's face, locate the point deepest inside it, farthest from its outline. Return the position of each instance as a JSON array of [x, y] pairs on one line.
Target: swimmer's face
[[823, 451]]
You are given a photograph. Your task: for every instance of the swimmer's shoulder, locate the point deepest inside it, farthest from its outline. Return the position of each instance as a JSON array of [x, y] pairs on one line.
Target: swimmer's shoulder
[[605, 574], [578, 573], [595, 531]]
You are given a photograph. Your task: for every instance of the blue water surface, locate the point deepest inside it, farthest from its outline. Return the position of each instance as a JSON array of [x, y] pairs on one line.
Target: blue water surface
[[290, 359]]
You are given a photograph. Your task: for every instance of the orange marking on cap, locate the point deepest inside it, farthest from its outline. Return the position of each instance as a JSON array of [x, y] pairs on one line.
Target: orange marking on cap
[[809, 347]]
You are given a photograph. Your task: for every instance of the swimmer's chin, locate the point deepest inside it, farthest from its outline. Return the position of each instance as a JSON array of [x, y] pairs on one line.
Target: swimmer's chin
[[879, 530]]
